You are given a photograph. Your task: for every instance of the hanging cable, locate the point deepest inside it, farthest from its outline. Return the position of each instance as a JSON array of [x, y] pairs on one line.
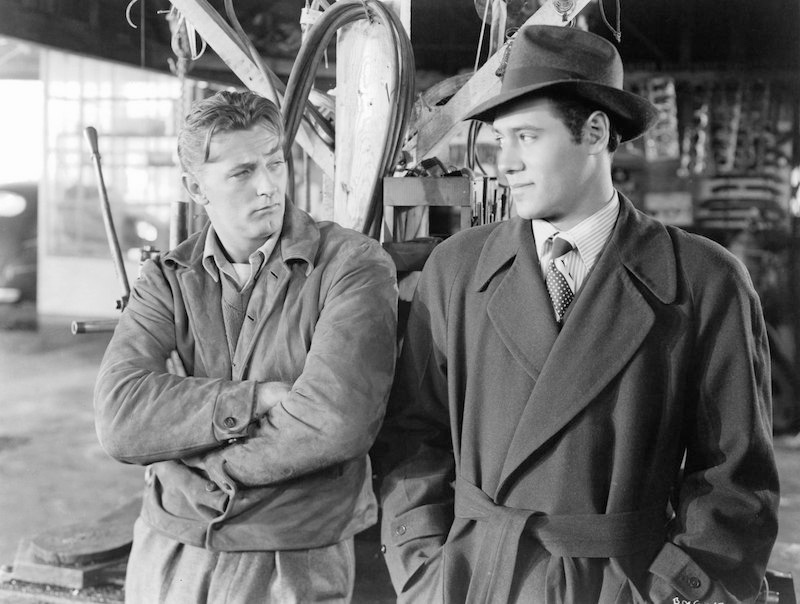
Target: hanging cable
[[472, 159], [312, 115], [301, 79], [480, 38], [616, 31]]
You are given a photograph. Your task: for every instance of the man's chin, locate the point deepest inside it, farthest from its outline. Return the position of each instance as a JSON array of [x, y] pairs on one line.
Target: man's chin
[[529, 211]]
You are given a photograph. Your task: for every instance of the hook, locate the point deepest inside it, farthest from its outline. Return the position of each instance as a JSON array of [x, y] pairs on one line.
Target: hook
[[128, 14]]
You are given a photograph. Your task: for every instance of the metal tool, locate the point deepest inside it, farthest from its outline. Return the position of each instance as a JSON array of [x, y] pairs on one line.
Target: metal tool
[[113, 243], [108, 220]]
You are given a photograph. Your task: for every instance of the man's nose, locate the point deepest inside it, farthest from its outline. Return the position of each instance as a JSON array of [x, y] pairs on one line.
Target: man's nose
[[508, 159], [266, 183]]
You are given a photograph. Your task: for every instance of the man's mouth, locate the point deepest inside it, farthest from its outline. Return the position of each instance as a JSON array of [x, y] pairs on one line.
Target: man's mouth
[[267, 208]]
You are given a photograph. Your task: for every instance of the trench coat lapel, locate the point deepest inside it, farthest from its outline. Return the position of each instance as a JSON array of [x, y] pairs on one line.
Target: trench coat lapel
[[528, 336], [594, 345]]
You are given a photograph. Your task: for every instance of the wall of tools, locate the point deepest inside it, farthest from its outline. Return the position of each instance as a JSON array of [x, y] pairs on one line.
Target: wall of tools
[[723, 161]]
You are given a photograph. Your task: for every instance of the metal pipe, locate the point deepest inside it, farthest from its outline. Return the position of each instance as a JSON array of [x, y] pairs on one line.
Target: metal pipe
[[98, 326], [108, 221]]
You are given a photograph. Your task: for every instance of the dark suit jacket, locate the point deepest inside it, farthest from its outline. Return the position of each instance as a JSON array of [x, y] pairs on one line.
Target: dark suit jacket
[[625, 458]]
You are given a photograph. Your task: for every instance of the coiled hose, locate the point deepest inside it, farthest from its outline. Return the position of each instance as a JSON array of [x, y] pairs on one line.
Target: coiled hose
[[301, 80]]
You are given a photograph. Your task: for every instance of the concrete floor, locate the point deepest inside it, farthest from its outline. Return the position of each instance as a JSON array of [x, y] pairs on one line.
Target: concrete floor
[[55, 473]]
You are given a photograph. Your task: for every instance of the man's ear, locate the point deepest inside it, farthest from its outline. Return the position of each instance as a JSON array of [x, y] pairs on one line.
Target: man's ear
[[596, 131], [192, 186]]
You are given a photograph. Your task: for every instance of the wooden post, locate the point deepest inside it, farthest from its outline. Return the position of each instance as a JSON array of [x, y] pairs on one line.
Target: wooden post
[[365, 64]]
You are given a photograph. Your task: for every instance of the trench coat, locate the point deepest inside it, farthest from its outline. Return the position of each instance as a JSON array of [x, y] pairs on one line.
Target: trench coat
[[626, 457], [323, 319]]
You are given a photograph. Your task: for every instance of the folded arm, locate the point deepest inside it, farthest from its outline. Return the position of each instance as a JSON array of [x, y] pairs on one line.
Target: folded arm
[[334, 409], [145, 414]]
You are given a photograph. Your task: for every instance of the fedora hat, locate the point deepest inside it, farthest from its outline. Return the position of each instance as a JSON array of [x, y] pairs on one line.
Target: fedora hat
[[551, 58]]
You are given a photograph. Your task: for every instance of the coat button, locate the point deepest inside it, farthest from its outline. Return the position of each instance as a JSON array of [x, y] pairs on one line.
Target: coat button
[[210, 486], [694, 582], [229, 422], [400, 530], [383, 548]]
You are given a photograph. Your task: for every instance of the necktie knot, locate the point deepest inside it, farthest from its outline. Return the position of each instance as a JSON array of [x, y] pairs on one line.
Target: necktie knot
[[560, 247], [557, 286]]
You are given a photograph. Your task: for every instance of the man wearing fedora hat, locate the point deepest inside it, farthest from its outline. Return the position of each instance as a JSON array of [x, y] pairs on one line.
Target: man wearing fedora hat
[[582, 409]]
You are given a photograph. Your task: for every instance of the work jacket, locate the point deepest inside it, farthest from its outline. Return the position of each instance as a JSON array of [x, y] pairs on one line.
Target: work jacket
[[625, 457], [323, 318]]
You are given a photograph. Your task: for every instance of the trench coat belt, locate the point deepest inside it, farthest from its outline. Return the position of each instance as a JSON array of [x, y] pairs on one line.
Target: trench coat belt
[[565, 535]]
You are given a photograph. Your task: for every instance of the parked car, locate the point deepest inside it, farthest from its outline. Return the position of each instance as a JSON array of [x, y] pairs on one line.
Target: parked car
[[18, 211]]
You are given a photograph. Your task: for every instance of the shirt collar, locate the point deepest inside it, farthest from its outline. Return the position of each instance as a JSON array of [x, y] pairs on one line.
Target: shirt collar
[[214, 259], [588, 236], [299, 242]]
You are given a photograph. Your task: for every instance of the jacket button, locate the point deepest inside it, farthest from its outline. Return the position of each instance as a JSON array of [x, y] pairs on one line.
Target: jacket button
[[383, 548], [400, 530], [229, 422], [694, 582], [210, 486]]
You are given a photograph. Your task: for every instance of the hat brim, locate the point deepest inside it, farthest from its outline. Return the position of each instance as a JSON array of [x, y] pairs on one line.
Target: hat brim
[[632, 114]]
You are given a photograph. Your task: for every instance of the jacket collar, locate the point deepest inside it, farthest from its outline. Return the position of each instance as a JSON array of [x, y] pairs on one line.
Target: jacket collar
[[299, 241], [643, 245]]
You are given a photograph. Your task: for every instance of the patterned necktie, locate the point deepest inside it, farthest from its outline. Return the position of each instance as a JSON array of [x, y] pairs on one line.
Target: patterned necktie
[[557, 286]]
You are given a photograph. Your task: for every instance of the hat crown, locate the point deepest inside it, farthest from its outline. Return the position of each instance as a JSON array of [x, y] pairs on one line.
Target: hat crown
[[546, 53], [544, 59]]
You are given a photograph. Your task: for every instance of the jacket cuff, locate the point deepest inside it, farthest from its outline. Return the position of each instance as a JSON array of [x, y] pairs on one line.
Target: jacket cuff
[[412, 539], [676, 574], [233, 410]]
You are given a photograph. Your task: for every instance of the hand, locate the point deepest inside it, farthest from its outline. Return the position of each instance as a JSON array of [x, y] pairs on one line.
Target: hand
[[175, 365], [269, 394]]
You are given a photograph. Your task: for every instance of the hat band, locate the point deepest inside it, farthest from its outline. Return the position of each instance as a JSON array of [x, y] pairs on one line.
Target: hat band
[[539, 74]]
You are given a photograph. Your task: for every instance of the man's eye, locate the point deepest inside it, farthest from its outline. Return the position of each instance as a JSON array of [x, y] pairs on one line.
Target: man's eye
[[275, 165], [527, 137], [240, 174]]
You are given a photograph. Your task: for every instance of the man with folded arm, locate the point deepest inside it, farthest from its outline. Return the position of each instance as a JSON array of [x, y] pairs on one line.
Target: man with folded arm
[[279, 333]]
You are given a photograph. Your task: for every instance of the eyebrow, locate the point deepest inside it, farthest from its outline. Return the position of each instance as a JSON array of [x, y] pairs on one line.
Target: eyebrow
[[514, 129], [238, 167], [249, 164]]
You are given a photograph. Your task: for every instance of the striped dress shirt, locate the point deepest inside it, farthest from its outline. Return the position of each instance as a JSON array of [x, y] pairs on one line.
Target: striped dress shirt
[[587, 237]]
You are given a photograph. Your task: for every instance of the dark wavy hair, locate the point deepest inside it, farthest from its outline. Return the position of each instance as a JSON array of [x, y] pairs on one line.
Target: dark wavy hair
[[574, 111]]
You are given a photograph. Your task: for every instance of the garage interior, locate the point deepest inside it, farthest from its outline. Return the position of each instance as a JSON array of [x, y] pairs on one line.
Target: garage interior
[[723, 161]]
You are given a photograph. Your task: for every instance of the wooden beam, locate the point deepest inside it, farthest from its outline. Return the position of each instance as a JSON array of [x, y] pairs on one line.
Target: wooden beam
[[214, 30], [436, 125]]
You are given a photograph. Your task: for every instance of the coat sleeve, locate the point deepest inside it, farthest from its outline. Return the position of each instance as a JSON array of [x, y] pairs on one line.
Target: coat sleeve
[[725, 520], [141, 411], [335, 407], [414, 452]]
